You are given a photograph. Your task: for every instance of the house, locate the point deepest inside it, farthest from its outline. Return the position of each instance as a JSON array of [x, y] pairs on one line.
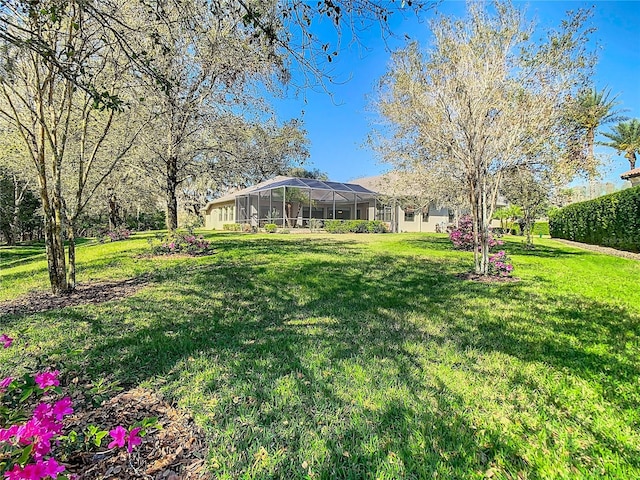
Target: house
[[399, 212], [293, 202]]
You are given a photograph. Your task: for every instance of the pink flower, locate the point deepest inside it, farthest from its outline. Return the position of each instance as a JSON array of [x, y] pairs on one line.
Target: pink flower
[[133, 439], [7, 433], [4, 383], [121, 436], [52, 468], [47, 379], [36, 471], [62, 408], [118, 434], [6, 340], [42, 411]]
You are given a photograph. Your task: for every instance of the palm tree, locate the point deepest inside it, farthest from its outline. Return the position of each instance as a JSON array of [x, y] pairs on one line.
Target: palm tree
[[625, 138], [590, 110]]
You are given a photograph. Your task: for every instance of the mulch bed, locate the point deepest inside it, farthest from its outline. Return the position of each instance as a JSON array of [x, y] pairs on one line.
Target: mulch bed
[[88, 293], [174, 452], [486, 278]]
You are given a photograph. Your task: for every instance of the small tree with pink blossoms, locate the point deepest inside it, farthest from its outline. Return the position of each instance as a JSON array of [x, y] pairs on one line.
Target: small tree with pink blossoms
[[26, 439]]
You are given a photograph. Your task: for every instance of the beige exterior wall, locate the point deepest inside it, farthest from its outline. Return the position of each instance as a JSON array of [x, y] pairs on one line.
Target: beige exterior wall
[[420, 223], [220, 214]]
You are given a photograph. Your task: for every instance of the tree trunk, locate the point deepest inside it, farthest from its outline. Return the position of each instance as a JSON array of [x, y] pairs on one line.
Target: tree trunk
[[172, 186], [18, 195], [631, 156], [477, 242], [113, 211], [54, 245], [484, 232], [591, 140], [55, 255], [71, 284], [480, 213]]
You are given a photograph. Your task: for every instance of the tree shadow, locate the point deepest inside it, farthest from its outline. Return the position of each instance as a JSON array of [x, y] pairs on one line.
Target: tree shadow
[[265, 354]]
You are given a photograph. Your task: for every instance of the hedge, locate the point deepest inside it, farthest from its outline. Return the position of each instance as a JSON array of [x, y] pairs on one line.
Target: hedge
[[612, 221], [355, 226]]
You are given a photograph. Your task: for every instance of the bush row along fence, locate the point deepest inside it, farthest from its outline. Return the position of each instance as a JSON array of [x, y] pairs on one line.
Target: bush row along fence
[[611, 221]]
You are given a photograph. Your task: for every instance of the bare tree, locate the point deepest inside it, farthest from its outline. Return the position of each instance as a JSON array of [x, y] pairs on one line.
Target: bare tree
[[484, 99], [63, 133]]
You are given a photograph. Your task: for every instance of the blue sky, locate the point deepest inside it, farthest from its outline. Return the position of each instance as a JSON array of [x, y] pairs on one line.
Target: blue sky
[[338, 125]]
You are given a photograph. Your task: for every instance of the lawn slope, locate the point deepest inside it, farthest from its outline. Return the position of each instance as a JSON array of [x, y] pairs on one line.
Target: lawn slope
[[364, 356]]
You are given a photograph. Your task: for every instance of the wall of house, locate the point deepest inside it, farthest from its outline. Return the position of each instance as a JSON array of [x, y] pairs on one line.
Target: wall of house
[[415, 221], [219, 214]]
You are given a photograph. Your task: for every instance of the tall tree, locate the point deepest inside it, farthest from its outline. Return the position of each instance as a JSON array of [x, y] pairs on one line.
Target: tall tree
[[63, 134], [301, 172], [483, 100], [589, 110], [625, 138], [209, 59]]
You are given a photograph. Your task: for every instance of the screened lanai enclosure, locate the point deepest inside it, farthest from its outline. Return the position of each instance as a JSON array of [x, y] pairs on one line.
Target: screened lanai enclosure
[[293, 202]]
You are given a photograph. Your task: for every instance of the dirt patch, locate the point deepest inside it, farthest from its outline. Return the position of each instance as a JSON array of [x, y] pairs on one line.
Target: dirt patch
[[600, 249], [486, 278], [88, 293], [176, 451]]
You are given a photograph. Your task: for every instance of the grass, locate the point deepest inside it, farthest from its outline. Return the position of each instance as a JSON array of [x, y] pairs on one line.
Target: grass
[[363, 356]]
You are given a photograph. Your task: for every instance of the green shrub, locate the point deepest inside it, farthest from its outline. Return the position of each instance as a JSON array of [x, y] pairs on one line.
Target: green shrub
[[315, 224], [355, 226], [270, 228], [612, 221], [233, 227]]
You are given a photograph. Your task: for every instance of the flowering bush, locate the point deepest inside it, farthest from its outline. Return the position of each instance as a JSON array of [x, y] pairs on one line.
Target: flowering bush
[[462, 237], [26, 440], [183, 243], [500, 264], [120, 233]]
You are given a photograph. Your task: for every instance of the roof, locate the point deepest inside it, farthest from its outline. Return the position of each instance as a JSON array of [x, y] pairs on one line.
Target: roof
[[386, 184], [314, 184], [631, 174], [294, 182]]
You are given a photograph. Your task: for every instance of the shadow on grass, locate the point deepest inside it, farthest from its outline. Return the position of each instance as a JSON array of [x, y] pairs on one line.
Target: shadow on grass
[[316, 353]]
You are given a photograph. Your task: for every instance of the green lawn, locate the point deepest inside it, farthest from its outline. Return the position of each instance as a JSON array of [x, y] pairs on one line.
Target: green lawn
[[364, 356]]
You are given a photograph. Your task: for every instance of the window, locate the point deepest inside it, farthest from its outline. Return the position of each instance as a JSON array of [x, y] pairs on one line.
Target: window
[[383, 212], [219, 214], [452, 216], [425, 215], [409, 215]]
